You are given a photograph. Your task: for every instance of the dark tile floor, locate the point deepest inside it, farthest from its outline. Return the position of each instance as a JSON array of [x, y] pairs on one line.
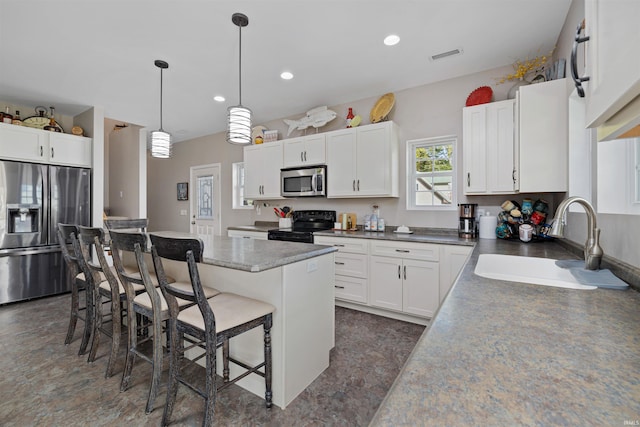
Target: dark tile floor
[[45, 383]]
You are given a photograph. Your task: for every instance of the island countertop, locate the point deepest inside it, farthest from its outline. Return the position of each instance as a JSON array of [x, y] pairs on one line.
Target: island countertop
[[255, 255], [505, 353]]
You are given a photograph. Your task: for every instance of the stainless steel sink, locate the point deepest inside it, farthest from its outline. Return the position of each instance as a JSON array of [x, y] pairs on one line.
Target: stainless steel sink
[[537, 271]]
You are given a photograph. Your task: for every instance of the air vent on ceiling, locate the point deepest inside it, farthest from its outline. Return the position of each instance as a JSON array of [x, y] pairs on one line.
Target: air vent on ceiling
[[446, 54]]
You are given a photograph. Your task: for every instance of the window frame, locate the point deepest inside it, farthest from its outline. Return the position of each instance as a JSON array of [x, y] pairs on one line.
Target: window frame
[[238, 190], [411, 175]]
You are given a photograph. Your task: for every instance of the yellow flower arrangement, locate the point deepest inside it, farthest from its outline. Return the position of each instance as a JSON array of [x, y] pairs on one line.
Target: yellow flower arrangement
[[523, 68]]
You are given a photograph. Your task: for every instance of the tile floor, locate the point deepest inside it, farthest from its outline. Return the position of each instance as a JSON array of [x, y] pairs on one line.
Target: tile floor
[[45, 383]]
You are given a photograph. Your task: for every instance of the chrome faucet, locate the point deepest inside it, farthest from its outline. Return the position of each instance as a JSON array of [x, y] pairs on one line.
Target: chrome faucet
[[592, 250]]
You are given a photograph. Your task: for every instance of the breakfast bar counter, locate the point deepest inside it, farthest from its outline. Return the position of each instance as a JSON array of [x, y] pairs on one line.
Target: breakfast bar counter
[[505, 353], [298, 280]]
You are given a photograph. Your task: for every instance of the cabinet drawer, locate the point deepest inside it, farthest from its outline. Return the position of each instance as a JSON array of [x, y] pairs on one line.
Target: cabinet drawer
[[351, 289], [423, 251], [344, 244], [355, 265]]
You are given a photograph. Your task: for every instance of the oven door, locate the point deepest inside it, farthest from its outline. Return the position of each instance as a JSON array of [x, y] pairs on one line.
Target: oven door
[[303, 182]]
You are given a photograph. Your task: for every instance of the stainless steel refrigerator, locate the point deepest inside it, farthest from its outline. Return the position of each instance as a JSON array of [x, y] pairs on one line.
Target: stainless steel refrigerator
[[34, 198]]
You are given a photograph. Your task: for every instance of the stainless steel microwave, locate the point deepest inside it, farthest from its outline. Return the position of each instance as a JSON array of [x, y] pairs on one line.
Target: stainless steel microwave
[[309, 181]]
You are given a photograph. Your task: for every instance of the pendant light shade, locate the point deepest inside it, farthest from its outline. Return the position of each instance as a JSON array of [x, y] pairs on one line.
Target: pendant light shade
[[239, 117], [161, 140]]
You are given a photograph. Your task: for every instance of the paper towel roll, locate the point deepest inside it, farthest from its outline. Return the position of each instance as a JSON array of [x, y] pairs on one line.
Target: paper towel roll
[[488, 227]]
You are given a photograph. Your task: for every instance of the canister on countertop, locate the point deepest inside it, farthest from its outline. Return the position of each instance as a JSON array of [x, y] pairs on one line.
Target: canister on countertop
[[488, 226]]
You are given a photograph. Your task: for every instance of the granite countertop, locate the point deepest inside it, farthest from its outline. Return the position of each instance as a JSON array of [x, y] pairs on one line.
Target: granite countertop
[[255, 255], [504, 353], [419, 235]]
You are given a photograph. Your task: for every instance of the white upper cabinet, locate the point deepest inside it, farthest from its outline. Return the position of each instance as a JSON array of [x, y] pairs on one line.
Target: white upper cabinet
[[543, 122], [613, 63], [305, 151], [518, 145], [262, 164], [489, 148], [35, 145], [363, 161]]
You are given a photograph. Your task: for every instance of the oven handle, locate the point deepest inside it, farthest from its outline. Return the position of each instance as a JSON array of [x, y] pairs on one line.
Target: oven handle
[[314, 184]]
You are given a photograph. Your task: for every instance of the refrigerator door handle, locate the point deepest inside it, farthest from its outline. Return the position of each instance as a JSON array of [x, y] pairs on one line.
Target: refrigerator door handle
[[46, 214]]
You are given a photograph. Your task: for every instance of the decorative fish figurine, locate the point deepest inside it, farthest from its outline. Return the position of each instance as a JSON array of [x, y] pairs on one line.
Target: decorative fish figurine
[[316, 117]]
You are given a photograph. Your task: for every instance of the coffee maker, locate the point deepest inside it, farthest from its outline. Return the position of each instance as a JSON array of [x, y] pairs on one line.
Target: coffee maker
[[467, 226]]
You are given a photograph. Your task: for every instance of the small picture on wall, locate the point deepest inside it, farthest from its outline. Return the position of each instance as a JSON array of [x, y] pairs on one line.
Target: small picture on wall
[[183, 191]]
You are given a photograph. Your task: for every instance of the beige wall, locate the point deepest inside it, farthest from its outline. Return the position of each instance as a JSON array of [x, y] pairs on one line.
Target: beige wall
[[124, 178]]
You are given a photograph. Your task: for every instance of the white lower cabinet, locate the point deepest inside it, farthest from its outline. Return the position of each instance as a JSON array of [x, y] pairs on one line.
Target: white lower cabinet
[[407, 279], [352, 267], [402, 280]]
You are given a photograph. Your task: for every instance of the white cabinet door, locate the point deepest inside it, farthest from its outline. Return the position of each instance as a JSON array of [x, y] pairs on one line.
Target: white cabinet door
[[386, 283], [452, 260], [374, 160], [488, 148], [613, 61], [262, 164], [420, 290], [474, 149], [293, 152], [258, 235], [543, 113], [341, 163], [22, 143], [363, 161], [305, 151], [70, 150]]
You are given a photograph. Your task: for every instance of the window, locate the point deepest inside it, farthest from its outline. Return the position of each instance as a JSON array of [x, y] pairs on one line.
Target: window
[[618, 176], [431, 173], [239, 202]]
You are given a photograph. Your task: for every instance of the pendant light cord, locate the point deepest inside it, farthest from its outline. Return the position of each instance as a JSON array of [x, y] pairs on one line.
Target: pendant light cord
[[161, 100], [240, 69]]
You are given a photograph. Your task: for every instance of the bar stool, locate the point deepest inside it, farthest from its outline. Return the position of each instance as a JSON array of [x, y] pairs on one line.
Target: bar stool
[[107, 290], [149, 305], [77, 284], [212, 322], [139, 224]]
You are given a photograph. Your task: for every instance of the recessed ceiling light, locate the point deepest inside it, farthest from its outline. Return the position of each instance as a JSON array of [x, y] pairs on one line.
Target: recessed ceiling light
[[286, 75], [391, 40], [219, 98]]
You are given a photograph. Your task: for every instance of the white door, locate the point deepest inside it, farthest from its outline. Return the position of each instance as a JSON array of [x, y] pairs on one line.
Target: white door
[[205, 204]]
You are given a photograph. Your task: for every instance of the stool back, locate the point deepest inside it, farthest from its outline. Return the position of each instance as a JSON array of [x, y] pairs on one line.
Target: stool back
[[139, 224]]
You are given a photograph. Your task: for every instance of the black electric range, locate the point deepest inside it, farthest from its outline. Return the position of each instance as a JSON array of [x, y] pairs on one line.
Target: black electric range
[[304, 224]]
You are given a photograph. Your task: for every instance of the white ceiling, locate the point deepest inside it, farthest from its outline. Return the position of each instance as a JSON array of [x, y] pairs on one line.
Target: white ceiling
[[74, 54]]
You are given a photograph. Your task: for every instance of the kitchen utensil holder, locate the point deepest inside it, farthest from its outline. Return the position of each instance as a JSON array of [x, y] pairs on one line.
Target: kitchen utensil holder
[[284, 223]]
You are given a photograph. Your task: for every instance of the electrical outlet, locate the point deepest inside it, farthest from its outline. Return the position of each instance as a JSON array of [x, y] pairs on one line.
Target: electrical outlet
[[183, 212], [121, 194]]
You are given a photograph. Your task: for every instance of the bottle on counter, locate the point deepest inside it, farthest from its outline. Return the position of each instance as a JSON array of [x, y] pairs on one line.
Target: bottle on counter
[[16, 119], [7, 117], [374, 218], [367, 222], [381, 225], [344, 221]]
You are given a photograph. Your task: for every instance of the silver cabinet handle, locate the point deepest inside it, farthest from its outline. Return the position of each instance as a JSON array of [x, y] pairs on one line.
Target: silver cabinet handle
[[339, 287], [405, 272], [404, 251], [41, 151], [246, 237], [358, 185], [338, 245], [399, 277], [52, 152], [339, 263], [468, 179], [353, 184], [301, 158]]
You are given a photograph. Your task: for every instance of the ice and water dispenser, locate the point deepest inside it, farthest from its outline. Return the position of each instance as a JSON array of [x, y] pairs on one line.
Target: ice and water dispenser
[[23, 219]]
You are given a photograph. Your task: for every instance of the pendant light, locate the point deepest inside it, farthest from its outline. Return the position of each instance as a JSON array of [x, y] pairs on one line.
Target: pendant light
[[161, 140], [239, 117]]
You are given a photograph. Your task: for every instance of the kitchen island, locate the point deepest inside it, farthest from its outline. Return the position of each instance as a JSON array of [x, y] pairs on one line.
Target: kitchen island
[[298, 280], [505, 353]]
